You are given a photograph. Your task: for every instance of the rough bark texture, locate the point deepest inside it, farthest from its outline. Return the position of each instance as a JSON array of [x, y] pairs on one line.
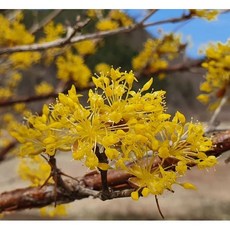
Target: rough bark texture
[[88, 185]]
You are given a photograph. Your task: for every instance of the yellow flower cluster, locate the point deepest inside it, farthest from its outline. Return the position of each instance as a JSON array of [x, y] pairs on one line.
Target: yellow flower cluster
[[107, 24], [41, 134], [131, 128], [85, 47], [14, 79], [24, 60], [102, 67], [93, 13], [206, 14], [44, 88], [114, 19], [157, 53], [52, 32], [13, 32], [19, 107], [72, 67], [217, 79], [121, 17], [5, 93], [35, 169]]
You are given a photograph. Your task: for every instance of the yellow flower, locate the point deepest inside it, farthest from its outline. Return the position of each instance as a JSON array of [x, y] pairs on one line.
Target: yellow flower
[[51, 211], [131, 129], [43, 88], [156, 53], [93, 13], [206, 14], [24, 60], [19, 107], [85, 47], [13, 32], [102, 67], [72, 67], [188, 186], [34, 169], [217, 78], [53, 31], [107, 24], [121, 17], [5, 93], [14, 79]]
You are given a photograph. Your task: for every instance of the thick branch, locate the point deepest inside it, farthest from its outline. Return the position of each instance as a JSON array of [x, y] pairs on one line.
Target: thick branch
[[35, 197], [61, 41], [88, 185], [169, 69], [28, 99]]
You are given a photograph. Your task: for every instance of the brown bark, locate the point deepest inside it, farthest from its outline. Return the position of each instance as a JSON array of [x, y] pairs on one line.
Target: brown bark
[[88, 185]]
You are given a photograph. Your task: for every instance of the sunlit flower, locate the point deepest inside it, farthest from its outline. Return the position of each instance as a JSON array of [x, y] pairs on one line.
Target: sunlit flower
[[157, 53], [131, 129], [206, 14], [217, 78]]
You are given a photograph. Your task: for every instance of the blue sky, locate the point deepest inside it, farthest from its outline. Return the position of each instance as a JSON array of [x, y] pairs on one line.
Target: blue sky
[[198, 31]]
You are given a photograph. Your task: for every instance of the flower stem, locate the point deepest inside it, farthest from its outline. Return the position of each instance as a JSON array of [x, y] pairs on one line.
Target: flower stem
[[211, 123], [105, 193]]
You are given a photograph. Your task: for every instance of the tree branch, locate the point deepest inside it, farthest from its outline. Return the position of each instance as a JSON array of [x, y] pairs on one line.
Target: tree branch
[[184, 17], [224, 99], [102, 34], [38, 26], [147, 16], [184, 66], [89, 185], [172, 68], [28, 99], [61, 41], [5, 150]]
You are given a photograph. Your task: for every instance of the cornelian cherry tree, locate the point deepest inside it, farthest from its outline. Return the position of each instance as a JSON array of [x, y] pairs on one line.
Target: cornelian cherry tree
[[133, 146]]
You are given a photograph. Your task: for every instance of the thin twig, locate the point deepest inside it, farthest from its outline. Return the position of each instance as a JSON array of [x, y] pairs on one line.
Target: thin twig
[[211, 123], [158, 207], [182, 66], [12, 14], [147, 16], [5, 150], [170, 20], [73, 30], [38, 26]]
